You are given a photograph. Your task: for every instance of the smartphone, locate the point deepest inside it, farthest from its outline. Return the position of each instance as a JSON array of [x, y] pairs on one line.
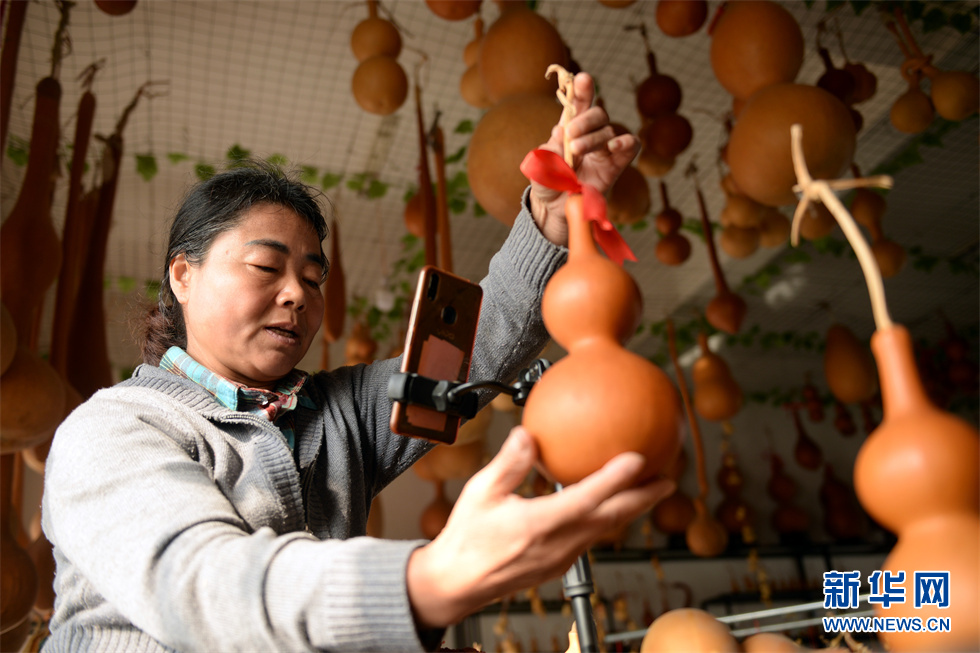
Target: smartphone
[[438, 345]]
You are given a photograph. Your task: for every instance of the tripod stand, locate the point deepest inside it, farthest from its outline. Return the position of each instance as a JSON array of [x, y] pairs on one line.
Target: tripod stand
[[459, 399]]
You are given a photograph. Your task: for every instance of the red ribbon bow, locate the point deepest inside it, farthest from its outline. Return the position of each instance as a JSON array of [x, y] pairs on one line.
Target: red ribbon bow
[[549, 169]]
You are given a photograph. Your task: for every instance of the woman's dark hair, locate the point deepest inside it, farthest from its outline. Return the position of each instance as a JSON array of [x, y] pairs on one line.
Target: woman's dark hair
[[209, 209]]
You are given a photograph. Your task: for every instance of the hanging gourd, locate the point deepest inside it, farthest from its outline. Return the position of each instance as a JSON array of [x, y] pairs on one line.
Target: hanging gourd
[[726, 310], [812, 400], [601, 399], [843, 421], [380, 85], [705, 536], [453, 9], [755, 44], [116, 7], [334, 298], [679, 18], [847, 366], [657, 94], [514, 51], [759, 151], [739, 242], [816, 223], [375, 36], [18, 574], [717, 396], [32, 402], [934, 506], [471, 87], [774, 227], [459, 460], [499, 142], [673, 248], [806, 451], [843, 518], [629, 198], [30, 250], [955, 94]]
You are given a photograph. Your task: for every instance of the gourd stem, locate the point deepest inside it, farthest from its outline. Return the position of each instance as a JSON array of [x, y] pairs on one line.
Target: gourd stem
[[691, 417], [822, 190], [720, 283]]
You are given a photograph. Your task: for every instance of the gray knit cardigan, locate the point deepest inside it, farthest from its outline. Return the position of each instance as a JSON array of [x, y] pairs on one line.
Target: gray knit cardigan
[[178, 524]]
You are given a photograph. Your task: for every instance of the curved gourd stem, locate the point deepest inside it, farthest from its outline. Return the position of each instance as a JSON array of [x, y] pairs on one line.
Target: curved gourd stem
[[691, 417], [823, 191], [566, 95]]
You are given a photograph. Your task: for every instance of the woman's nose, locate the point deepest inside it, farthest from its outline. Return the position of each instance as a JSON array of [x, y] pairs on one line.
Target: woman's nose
[[292, 294]]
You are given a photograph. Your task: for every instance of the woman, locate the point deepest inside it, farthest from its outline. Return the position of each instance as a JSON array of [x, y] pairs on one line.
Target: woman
[[218, 499]]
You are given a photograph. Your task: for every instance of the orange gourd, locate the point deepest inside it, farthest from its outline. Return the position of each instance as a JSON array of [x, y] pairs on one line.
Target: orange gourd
[[688, 630], [629, 198], [380, 85], [673, 248], [726, 310], [32, 401], [116, 7], [674, 514], [500, 140], [739, 242], [933, 453], [847, 366], [755, 44], [453, 9], [600, 399], [516, 49], [774, 227], [375, 36], [717, 396], [918, 473], [679, 18], [759, 147], [805, 451], [19, 577]]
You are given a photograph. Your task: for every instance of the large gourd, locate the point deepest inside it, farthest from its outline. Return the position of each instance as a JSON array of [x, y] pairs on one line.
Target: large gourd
[[918, 473], [754, 44], [514, 51], [847, 366], [759, 148], [501, 139], [600, 400]]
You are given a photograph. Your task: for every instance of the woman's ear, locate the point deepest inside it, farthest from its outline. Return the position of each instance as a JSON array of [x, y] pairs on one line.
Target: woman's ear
[[180, 277]]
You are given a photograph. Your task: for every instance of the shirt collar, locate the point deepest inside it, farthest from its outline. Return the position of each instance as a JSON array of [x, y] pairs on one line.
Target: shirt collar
[[229, 393]]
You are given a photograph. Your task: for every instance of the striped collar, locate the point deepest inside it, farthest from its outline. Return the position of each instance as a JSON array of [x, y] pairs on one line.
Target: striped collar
[[237, 396]]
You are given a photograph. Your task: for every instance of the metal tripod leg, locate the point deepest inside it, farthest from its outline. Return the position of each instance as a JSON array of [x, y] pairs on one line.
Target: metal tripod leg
[[578, 586]]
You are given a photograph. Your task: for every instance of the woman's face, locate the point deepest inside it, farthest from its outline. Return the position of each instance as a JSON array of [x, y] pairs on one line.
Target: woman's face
[[253, 305]]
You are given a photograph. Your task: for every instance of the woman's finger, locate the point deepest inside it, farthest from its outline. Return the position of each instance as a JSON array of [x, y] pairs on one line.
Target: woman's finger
[[508, 469]]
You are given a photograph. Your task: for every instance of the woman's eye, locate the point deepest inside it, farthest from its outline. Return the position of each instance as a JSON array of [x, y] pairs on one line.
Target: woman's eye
[[264, 268]]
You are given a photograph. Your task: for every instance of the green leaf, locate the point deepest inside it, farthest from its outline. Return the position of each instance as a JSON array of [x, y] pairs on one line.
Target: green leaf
[[834, 4], [146, 166], [478, 210], [376, 189], [236, 155], [204, 171], [456, 156], [464, 127], [277, 160], [693, 226], [640, 225], [309, 175], [126, 284], [330, 180], [151, 288], [177, 157], [797, 255], [356, 183], [457, 205], [18, 150], [808, 3]]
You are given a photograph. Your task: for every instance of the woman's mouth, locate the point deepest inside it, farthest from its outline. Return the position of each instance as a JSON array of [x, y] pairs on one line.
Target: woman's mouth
[[282, 332]]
